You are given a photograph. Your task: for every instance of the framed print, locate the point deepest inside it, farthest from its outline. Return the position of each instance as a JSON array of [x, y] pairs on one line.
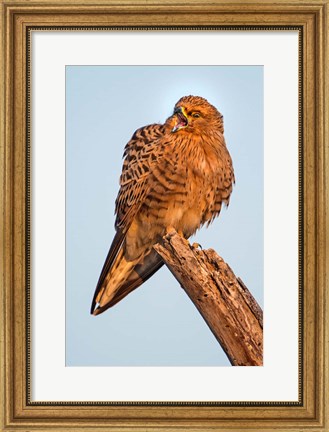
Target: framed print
[[219, 104]]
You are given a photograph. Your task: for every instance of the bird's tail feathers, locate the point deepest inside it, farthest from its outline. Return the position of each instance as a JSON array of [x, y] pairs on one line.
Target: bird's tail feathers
[[135, 275], [108, 264]]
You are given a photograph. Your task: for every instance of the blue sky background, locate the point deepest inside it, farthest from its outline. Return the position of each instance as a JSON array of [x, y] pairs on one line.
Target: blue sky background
[[157, 324]]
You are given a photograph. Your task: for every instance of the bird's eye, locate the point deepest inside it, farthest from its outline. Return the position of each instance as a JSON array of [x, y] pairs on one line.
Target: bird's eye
[[196, 115]]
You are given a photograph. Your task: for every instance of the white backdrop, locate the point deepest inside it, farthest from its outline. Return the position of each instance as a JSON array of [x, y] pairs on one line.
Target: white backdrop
[[277, 380]]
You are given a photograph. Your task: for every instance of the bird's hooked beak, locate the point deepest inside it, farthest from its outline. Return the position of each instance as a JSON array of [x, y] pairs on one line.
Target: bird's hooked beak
[[181, 117]]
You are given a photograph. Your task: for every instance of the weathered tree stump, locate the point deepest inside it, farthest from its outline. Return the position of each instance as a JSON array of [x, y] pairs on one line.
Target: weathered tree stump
[[225, 303]]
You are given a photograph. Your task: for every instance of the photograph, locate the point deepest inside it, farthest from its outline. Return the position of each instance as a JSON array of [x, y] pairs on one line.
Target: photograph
[[186, 143]]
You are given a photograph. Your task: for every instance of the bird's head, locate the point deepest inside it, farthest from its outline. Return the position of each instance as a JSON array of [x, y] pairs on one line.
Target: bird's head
[[195, 114]]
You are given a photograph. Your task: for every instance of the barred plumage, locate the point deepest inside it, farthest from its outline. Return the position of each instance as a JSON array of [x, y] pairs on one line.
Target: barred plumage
[[176, 175]]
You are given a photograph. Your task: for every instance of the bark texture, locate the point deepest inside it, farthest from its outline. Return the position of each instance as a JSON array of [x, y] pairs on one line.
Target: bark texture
[[225, 303]]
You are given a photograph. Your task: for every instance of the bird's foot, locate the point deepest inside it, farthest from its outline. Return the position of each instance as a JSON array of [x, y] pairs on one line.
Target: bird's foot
[[181, 234], [196, 246], [170, 231]]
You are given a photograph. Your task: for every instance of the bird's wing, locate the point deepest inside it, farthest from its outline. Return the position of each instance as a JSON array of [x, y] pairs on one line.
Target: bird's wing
[[141, 152]]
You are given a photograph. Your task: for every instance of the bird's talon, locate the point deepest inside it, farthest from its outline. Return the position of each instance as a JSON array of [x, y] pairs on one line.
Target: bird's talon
[[196, 246], [184, 239], [170, 231]]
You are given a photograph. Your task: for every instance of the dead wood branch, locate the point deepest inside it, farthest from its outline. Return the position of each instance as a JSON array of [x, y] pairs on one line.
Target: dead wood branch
[[223, 300]]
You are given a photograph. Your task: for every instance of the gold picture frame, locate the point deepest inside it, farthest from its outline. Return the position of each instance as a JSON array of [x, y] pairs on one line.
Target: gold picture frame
[[311, 412]]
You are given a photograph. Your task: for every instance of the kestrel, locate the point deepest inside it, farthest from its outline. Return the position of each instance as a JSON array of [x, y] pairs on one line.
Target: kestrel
[[174, 175]]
